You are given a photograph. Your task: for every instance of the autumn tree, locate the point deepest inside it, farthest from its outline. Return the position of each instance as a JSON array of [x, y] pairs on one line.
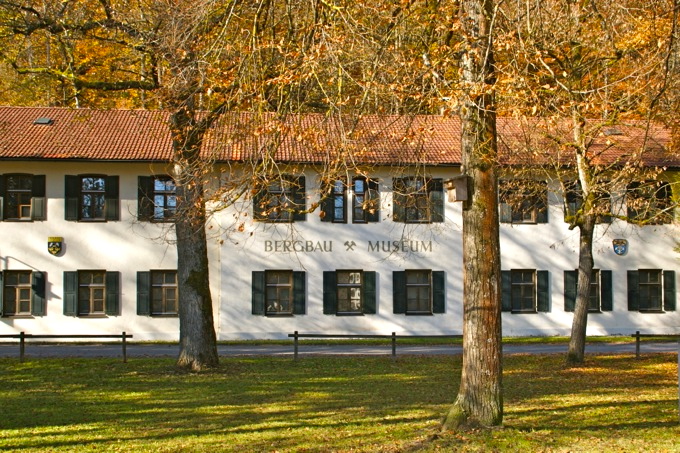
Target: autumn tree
[[574, 71], [480, 399]]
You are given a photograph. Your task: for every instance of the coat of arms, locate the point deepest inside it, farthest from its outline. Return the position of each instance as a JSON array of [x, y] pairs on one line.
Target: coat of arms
[[620, 246], [54, 245]]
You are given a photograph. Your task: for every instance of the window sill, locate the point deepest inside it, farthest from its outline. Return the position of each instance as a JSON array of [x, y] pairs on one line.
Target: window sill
[[523, 312], [19, 316], [349, 314], [419, 313], [164, 315], [651, 311], [94, 316], [278, 315]]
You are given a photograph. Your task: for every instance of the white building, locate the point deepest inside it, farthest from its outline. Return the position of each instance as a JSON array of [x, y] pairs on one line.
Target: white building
[[82, 183]]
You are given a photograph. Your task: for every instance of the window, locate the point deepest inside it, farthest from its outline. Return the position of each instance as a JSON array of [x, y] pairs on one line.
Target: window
[[419, 292], [600, 298], [281, 200], [651, 290], [157, 199], [525, 291], [92, 197], [278, 293], [23, 293], [418, 200], [349, 292], [649, 203], [573, 200], [523, 201], [22, 197], [157, 293], [365, 202], [91, 293]]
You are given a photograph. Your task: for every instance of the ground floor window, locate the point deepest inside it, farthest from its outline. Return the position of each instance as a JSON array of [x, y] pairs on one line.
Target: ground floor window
[[600, 297], [525, 291], [419, 292], [278, 292], [91, 293], [349, 292], [23, 293], [157, 293], [651, 290]]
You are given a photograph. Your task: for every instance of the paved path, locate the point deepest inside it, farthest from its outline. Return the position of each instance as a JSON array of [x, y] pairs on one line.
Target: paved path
[[171, 350]]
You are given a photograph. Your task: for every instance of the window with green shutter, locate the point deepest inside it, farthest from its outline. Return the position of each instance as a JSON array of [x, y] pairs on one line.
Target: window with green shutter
[[419, 292], [22, 197], [92, 198], [523, 201], [157, 293], [651, 290], [22, 293], [279, 293], [91, 293], [281, 199], [156, 198], [525, 291], [418, 200], [349, 292], [600, 297]]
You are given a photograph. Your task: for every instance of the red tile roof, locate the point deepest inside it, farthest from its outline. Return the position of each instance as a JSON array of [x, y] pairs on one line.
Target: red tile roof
[[140, 135]]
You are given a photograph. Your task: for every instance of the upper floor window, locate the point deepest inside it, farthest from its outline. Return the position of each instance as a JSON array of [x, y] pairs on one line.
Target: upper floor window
[[22, 293], [364, 201], [157, 198], [525, 291], [649, 202], [282, 199], [419, 291], [22, 197], [651, 290], [92, 197], [278, 292], [157, 293], [523, 201], [349, 292], [573, 202], [91, 293], [600, 296], [418, 200]]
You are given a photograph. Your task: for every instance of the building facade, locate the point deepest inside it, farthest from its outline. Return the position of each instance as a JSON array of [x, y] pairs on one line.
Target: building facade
[[87, 245]]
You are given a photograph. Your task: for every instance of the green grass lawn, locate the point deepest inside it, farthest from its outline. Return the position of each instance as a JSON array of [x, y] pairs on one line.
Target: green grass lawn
[[319, 404]]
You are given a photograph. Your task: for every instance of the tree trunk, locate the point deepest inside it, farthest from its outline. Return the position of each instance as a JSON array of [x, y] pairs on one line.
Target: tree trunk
[[197, 338], [479, 400], [577, 342]]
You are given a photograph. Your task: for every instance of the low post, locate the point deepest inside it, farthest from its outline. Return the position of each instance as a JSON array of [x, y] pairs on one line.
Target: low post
[[124, 349], [394, 345], [22, 346], [295, 345], [637, 344]]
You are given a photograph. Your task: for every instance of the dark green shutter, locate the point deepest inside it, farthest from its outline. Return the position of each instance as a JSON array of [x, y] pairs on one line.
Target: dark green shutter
[[330, 295], [369, 293], [2, 199], [669, 295], [38, 293], [543, 291], [542, 205], [145, 202], [398, 201], [258, 289], [70, 293], [606, 291], [373, 195], [111, 201], [112, 293], [399, 292], [506, 290], [299, 292], [72, 196], [327, 208], [436, 195], [144, 293], [570, 288], [438, 292], [2, 292], [633, 291], [300, 199], [505, 213], [38, 200]]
